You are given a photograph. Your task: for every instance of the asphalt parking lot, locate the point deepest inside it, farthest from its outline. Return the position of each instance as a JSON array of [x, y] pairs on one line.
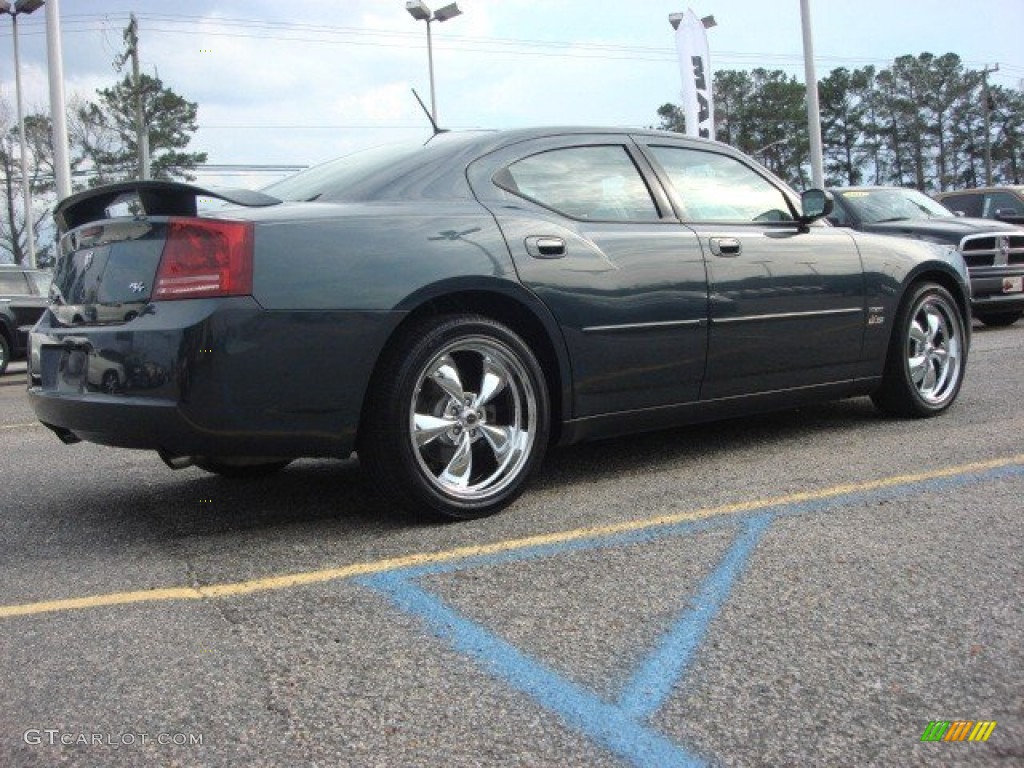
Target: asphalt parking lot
[[807, 588]]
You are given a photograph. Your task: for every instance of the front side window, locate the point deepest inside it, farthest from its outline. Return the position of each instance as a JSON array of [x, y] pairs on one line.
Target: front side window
[[968, 205], [839, 217], [600, 183], [40, 282], [715, 187]]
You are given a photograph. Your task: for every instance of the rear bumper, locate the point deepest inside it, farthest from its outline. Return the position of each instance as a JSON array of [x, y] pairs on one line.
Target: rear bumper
[[213, 377]]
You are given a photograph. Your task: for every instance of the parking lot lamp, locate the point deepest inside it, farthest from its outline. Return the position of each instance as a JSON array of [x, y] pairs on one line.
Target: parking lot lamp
[[419, 11]]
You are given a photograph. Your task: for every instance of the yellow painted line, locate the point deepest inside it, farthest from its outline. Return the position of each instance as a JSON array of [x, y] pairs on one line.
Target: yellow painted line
[[305, 578], [20, 426]]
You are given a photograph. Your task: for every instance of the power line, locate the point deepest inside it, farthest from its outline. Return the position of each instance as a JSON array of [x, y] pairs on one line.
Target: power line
[[329, 34]]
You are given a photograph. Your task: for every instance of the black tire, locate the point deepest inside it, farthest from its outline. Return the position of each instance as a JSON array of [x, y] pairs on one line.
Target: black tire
[[5, 354], [111, 383], [998, 319], [927, 356], [456, 419], [241, 470]]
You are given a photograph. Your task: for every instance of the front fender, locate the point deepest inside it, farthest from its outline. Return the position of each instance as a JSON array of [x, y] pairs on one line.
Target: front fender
[[891, 266]]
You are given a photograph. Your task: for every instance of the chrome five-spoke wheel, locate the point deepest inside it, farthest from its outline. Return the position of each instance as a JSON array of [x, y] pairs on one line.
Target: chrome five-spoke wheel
[[458, 419], [933, 350], [927, 354], [473, 418]]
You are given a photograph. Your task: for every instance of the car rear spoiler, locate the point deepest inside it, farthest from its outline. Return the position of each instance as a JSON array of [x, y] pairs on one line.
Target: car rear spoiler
[[157, 198]]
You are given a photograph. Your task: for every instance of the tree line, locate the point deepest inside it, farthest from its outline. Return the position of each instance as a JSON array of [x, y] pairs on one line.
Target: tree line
[[920, 123], [926, 122], [104, 149]]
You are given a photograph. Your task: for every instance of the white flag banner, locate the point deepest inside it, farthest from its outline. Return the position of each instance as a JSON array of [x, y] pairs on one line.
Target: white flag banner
[[695, 66]]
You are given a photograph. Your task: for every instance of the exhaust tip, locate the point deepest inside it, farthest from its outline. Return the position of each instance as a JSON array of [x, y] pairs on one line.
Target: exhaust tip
[[63, 434], [175, 461]]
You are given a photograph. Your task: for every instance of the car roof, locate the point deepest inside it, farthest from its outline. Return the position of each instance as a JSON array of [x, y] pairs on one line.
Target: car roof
[[488, 140], [438, 164], [871, 187], [1001, 188]]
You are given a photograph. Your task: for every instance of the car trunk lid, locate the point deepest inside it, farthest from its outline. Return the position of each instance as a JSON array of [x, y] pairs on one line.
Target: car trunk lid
[[126, 244]]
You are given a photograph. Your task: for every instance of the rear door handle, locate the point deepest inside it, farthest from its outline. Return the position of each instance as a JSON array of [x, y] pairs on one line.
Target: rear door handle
[[545, 247], [725, 246]]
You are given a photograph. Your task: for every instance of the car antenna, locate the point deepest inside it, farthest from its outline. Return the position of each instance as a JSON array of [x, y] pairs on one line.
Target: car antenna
[[430, 117]]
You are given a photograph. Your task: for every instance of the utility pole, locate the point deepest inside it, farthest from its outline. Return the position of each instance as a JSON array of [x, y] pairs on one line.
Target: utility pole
[[141, 134], [986, 99]]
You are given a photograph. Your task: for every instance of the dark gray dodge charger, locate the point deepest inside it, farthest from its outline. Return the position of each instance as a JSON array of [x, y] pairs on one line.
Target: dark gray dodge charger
[[450, 309]]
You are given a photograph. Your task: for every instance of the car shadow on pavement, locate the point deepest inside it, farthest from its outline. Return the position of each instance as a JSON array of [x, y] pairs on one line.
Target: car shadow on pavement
[[647, 452], [142, 504]]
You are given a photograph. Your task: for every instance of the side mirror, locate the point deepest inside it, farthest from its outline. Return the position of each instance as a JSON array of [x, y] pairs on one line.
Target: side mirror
[[814, 204]]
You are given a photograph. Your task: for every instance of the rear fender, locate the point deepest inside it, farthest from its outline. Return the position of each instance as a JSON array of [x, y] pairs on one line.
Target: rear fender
[[508, 302]]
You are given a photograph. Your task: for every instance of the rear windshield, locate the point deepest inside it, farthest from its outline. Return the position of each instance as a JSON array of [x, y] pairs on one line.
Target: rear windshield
[[333, 178], [393, 170]]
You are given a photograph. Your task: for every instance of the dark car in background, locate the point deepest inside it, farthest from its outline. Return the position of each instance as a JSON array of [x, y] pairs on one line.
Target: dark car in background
[[1002, 203], [993, 250], [23, 293], [449, 309]]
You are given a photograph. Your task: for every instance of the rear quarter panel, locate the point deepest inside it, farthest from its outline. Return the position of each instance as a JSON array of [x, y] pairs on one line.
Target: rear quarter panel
[[336, 280], [370, 257]]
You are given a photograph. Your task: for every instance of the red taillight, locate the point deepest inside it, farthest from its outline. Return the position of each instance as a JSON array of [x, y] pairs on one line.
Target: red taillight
[[204, 258]]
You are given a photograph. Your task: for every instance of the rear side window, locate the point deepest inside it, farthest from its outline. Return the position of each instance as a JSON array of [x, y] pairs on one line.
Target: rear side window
[[714, 187], [599, 183], [1004, 203]]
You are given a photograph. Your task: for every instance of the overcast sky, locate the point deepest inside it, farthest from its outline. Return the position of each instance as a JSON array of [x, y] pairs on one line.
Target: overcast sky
[[302, 81]]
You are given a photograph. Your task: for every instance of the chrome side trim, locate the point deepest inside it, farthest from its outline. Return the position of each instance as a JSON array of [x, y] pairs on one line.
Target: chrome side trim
[[643, 326], [788, 315], [703, 403]]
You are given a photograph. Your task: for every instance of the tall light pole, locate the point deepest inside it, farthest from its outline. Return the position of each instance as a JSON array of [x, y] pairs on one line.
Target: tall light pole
[[18, 8], [419, 11], [58, 112], [813, 110]]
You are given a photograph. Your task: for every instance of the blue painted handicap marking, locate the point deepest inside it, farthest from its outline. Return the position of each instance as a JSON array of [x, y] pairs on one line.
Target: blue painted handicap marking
[[670, 660], [622, 726]]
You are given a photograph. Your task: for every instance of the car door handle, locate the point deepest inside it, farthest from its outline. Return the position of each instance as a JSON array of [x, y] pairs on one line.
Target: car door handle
[[545, 247], [725, 246]]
